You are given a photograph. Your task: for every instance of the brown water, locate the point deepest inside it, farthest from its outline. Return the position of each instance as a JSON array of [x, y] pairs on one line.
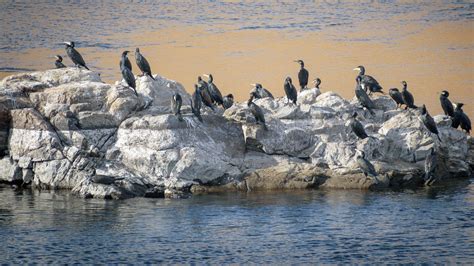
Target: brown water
[[430, 45]]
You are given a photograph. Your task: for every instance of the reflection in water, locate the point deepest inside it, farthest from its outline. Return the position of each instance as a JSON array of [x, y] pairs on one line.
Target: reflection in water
[[325, 226]]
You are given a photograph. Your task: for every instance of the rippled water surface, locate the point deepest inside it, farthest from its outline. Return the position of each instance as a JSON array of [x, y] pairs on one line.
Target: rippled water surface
[[338, 226]]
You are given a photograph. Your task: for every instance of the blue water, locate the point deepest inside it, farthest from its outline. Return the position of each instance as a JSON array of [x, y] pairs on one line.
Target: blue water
[[432, 225]]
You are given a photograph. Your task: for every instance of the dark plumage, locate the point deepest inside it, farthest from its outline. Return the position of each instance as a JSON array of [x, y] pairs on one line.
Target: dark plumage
[[429, 122], [367, 167], [261, 92], [256, 111], [228, 101], [461, 119], [396, 96], [142, 64], [357, 127], [213, 90], [205, 95], [407, 97], [368, 82], [105, 180], [317, 82], [196, 102], [74, 55], [290, 90], [363, 98], [176, 103], [128, 75], [59, 62], [303, 75], [446, 104], [431, 162], [124, 60]]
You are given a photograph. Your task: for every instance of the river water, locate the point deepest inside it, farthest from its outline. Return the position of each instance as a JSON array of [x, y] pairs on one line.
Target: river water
[[311, 226]]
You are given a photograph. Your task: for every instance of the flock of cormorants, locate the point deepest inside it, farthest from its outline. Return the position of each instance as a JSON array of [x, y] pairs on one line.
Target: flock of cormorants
[[210, 95]]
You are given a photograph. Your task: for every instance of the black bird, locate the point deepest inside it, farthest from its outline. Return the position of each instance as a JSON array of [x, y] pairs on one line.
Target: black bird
[[290, 90], [429, 122], [303, 75], [446, 104], [357, 127], [256, 111], [396, 96], [260, 91], [176, 102], [431, 162], [368, 82], [228, 101], [363, 98], [142, 64], [128, 75], [196, 102], [461, 119], [74, 55], [317, 82], [367, 167], [407, 97], [59, 62], [105, 180], [205, 94], [213, 90], [124, 60]]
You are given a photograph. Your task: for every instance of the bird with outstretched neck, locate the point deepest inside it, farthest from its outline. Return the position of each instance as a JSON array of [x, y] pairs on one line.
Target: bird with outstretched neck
[[368, 82], [142, 64]]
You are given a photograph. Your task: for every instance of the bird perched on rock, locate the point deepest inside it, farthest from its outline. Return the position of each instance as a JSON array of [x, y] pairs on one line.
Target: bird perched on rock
[[105, 180], [196, 102], [303, 75], [205, 94], [317, 82], [431, 162], [368, 82], [290, 90], [74, 55], [367, 167], [429, 122], [213, 90], [59, 62], [357, 127], [228, 101], [396, 96], [125, 61], [127, 73], [446, 104], [260, 91], [256, 111], [142, 64], [176, 102], [461, 119], [407, 97], [363, 98]]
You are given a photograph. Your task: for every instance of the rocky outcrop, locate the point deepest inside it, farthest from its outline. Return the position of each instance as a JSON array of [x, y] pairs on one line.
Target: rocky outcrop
[[66, 129]]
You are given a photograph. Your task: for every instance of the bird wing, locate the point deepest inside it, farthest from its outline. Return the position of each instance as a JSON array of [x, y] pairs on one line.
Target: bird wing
[[303, 76], [215, 93], [76, 57], [129, 77], [358, 129]]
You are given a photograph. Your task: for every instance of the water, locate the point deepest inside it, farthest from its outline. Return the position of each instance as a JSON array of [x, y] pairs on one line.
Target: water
[[316, 226]]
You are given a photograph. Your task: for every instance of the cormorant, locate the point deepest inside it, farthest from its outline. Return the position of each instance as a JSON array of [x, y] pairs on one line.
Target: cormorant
[[256, 111], [128, 75], [317, 82], [357, 127], [460, 118], [429, 122], [363, 98], [59, 62], [213, 90], [261, 92], [303, 75], [196, 102], [396, 96], [205, 95], [446, 104], [290, 90], [430, 165], [367, 167], [407, 97], [142, 64], [368, 82], [124, 60], [176, 102], [104, 179], [228, 101], [74, 55]]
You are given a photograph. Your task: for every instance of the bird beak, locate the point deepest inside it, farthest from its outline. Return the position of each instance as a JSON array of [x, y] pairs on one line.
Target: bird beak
[[253, 84], [68, 43], [206, 75], [356, 69], [314, 81]]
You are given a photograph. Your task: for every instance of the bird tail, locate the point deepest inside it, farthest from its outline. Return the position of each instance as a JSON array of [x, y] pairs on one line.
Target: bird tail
[[439, 138], [86, 67], [151, 77]]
